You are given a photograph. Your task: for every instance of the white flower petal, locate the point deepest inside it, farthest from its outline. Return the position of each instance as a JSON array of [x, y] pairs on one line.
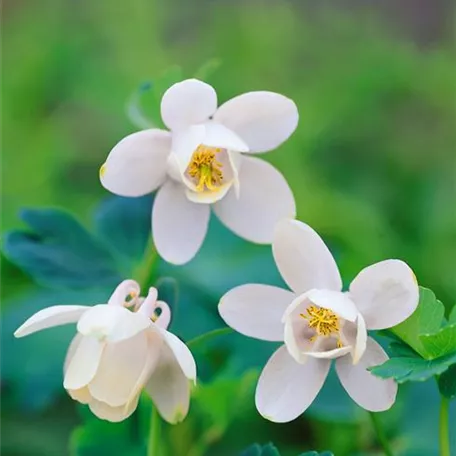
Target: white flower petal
[[329, 354], [264, 120], [84, 363], [361, 340], [256, 310], [137, 164], [169, 388], [113, 414], [188, 102], [74, 344], [49, 317], [181, 352], [81, 395], [179, 226], [264, 199], [285, 388], [126, 288], [217, 135], [303, 259], [184, 144], [208, 197], [386, 293], [340, 303], [113, 323], [120, 368], [368, 391]]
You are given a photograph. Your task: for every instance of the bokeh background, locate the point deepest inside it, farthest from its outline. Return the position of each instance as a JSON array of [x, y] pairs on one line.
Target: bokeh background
[[372, 165]]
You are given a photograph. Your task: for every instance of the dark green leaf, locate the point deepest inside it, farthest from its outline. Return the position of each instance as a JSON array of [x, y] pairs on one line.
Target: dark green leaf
[[440, 343], [427, 319], [447, 382], [59, 252], [413, 369], [257, 450], [399, 349], [315, 453], [124, 224]]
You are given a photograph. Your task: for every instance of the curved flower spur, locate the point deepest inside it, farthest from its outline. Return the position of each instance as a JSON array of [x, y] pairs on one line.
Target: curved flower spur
[[318, 322], [200, 163], [122, 347]]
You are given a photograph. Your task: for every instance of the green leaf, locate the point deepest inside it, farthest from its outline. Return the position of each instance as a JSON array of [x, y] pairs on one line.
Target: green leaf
[[452, 317], [440, 343], [413, 369], [315, 453], [124, 224], [58, 251], [98, 437], [207, 69], [257, 450], [427, 319], [447, 382]]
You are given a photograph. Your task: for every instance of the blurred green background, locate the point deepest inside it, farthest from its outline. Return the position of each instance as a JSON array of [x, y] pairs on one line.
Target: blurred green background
[[372, 165]]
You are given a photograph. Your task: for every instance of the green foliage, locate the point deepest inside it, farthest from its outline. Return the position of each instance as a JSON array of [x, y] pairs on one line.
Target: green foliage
[[271, 450], [413, 369], [431, 349], [440, 343], [100, 437], [447, 382], [427, 319], [59, 252], [258, 450]]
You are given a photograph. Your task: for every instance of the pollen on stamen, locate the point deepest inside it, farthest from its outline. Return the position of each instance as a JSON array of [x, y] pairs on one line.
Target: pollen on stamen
[[205, 169], [323, 321]]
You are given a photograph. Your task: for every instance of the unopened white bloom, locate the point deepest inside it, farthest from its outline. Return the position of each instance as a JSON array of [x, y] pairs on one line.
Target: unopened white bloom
[[119, 351], [318, 322], [200, 163]]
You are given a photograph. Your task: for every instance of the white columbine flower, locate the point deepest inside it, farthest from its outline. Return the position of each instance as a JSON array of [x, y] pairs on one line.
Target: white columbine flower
[[318, 322], [117, 352], [199, 163]]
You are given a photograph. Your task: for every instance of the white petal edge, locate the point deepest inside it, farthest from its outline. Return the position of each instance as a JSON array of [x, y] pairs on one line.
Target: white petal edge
[[368, 391], [113, 323], [340, 303], [137, 164], [125, 288], [329, 354], [303, 259], [120, 367], [179, 226], [264, 120], [50, 317], [256, 310], [386, 293], [169, 388], [188, 102], [84, 363], [361, 340], [181, 352], [264, 198], [286, 389], [113, 414]]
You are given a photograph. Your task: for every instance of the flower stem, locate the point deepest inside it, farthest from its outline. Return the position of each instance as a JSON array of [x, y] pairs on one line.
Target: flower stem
[[444, 432], [153, 444], [381, 437], [144, 273], [209, 335]]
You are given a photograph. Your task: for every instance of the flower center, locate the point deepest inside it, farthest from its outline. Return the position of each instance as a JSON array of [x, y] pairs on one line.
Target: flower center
[[205, 169], [324, 321]]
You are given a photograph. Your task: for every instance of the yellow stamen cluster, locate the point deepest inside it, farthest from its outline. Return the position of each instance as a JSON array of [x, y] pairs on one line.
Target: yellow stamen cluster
[[205, 169], [324, 321]]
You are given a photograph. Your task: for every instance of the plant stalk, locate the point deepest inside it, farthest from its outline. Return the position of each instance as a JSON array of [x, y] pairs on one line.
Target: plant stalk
[[381, 436], [444, 429]]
